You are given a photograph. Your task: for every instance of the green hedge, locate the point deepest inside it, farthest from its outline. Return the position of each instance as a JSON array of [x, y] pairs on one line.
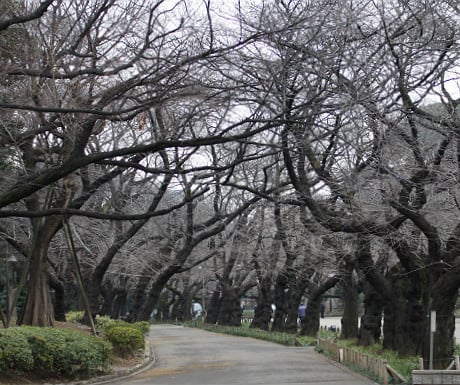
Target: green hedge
[[75, 316], [125, 339], [52, 352], [15, 351], [104, 322]]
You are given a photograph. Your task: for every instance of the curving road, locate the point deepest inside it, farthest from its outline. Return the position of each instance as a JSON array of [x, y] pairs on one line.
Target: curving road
[[187, 356]]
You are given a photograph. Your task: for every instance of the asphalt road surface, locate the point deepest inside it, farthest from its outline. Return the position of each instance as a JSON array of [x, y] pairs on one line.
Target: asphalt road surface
[[187, 356]]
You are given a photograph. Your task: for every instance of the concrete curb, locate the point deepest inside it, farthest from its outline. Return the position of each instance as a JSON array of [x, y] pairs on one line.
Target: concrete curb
[[148, 362]]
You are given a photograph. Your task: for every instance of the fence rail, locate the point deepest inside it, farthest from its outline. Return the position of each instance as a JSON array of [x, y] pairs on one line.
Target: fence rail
[[348, 356]]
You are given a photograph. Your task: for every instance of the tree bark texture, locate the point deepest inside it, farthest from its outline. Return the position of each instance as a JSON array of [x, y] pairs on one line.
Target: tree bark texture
[[311, 325], [213, 310], [230, 313], [38, 309], [263, 311], [404, 316], [371, 322], [351, 303]]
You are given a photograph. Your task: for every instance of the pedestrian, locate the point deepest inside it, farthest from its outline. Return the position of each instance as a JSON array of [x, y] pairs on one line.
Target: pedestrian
[[302, 312]]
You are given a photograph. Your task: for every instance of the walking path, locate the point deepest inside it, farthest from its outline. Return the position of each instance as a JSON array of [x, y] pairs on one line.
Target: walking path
[[187, 356]]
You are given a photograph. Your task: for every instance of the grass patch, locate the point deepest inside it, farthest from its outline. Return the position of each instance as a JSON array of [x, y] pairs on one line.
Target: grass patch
[[245, 331], [403, 365]]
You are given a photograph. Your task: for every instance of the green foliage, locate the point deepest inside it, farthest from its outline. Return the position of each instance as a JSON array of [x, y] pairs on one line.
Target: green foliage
[[16, 355], [307, 340], [105, 322], [248, 313], [143, 326], [52, 352], [75, 316], [126, 340], [102, 322], [403, 365], [277, 337], [456, 350], [328, 335]]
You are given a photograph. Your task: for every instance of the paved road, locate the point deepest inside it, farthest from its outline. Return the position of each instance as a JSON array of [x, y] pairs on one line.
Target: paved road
[[187, 356]]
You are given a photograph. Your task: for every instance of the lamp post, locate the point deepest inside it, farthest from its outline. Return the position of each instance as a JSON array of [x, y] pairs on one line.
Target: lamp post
[[10, 259], [203, 292]]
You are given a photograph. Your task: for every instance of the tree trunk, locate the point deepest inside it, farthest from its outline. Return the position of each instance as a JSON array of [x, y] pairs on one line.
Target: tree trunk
[[212, 313], [351, 304], [139, 293], [444, 298], [38, 308], [230, 310], [371, 321], [165, 304], [59, 298], [181, 309], [118, 309], [280, 298], [350, 314], [311, 325], [404, 316], [292, 309], [176, 309], [263, 310], [153, 297]]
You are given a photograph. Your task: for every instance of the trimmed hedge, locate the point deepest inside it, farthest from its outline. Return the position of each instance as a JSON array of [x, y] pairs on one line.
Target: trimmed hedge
[[126, 340], [104, 322], [52, 352]]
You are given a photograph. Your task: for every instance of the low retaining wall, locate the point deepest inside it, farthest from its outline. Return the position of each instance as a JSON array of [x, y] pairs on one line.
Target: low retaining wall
[[435, 377]]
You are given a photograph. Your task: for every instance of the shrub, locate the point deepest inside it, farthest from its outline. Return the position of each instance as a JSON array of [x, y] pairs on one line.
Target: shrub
[[126, 340], [75, 316], [143, 326], [15, 352], [63, 351], [52, 352], [105, 322]]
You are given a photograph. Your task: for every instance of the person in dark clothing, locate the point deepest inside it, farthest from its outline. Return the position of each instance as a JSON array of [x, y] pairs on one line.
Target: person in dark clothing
[[302, 314]]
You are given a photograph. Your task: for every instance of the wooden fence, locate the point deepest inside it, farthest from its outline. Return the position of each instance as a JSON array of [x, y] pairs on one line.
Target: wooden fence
[[348, 356]]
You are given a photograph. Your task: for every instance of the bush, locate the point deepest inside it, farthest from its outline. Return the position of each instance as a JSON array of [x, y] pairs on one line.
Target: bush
[[143, 326], [54, 352], [75, 316], [126, 340], [105, 322], [280, 338], [15, 352], [62, 351]]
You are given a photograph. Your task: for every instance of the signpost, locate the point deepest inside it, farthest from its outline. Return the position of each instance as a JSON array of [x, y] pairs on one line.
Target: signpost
[[432, 330]]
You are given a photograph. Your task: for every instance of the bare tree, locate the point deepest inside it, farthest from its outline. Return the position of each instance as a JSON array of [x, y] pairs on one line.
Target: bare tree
[[345, 102]]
